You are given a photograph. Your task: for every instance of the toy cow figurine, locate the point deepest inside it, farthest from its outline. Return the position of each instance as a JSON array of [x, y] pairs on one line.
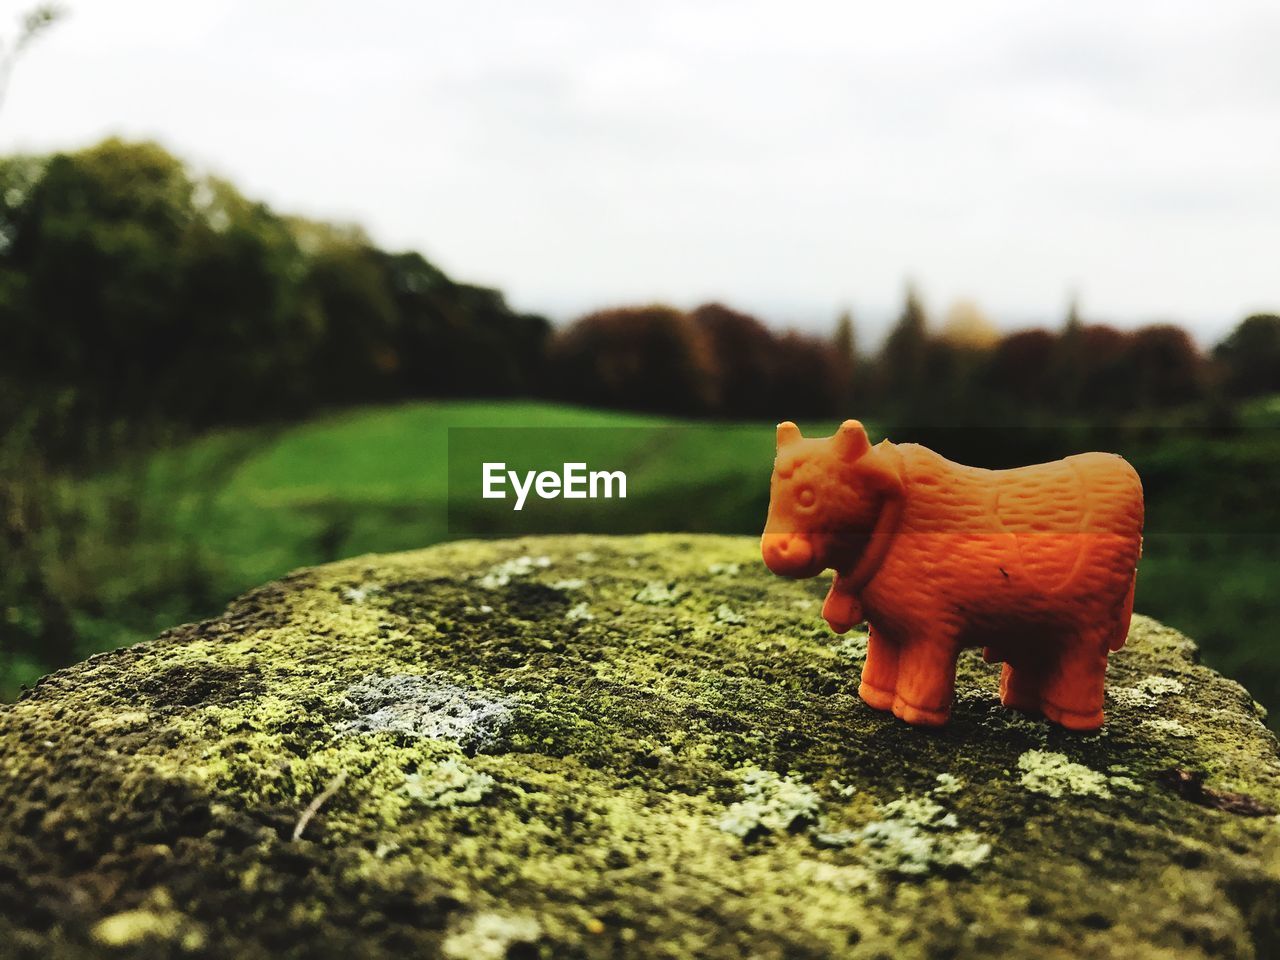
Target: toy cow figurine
[[1035, 564]]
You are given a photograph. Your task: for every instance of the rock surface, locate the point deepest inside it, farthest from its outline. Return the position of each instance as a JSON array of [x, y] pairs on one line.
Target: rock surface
[[593, 747]]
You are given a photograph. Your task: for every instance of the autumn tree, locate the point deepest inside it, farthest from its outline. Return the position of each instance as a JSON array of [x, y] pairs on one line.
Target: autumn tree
[[653, 358], [744, 352]]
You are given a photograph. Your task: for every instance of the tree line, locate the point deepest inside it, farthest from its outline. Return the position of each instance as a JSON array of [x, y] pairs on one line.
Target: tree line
[[132, 286], [720, 362]]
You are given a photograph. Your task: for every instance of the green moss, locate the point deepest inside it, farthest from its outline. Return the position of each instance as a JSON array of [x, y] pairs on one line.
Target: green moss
[[534, 747]]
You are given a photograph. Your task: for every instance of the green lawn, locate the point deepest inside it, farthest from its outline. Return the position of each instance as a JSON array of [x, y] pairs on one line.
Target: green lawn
[[175, 536]]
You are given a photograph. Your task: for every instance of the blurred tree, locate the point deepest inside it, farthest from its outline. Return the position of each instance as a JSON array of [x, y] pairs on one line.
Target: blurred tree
[[641, 358], [1019, 366], [1250, 356], [491, 350], [34, 22], [903, 361], [1074, 323], [347, 295], [844, 345], [809, 383], [956, 360], [968, 328], [193, 303], [1070, 368], [239, 323], [745, 355], [1163, 367], [845, 340], [97, 247], [1103, 348]]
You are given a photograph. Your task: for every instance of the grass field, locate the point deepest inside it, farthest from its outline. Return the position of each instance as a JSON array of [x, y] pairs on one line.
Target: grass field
[[221, 514]]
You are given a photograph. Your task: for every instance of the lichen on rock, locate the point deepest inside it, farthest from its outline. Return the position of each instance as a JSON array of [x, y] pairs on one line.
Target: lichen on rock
[[772, 803], [425, 706], [914, 836], [449, 783], [485, 771], [1055, 776]]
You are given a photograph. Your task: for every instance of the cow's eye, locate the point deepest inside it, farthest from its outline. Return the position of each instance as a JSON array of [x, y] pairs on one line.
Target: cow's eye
[[806, 497]]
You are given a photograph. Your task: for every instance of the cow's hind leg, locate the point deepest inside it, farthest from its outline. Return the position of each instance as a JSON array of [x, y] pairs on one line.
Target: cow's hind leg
[[1020, 686], [1026, 664], [880, 672], [1072, 691]]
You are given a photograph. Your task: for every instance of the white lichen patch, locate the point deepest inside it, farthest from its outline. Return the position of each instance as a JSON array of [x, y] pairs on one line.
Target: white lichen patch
[[157, 920], [360, 593], [914, 836], [1146, 692], [658, 593], [489, 936], [573, 583], [579, 613], [1168, 728], [425, 706], [727, 615], [921, 811], [842, 789], [852, 647], [847, 878], [123, 720], [1053, 775], [947, 783], [772, 804], [501, 574], [724, 569], [449, 783]]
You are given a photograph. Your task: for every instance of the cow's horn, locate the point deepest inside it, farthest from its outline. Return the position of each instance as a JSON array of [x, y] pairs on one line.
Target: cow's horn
[[851, 439]]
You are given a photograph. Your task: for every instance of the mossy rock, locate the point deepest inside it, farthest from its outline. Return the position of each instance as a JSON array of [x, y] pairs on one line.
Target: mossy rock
[[594, 747]]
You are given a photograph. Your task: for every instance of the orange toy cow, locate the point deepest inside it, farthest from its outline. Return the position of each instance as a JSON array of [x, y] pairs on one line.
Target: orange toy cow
[[1035, 564]]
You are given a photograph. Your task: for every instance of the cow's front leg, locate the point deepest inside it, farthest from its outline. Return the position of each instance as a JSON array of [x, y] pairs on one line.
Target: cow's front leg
[[926, 678], [880, 672]]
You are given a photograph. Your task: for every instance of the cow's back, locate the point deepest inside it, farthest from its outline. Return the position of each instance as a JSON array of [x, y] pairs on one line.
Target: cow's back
[[1082, 510], [1045, 528]]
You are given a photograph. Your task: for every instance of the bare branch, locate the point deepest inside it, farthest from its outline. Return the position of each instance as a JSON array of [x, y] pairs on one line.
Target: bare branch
[[314, 806], [34, 22]]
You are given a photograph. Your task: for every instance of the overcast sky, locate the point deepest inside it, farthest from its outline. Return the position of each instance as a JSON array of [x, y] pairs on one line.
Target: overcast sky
[[789, 157]]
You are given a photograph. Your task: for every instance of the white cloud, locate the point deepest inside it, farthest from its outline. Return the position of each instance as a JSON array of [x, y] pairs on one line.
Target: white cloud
[[785, 156]]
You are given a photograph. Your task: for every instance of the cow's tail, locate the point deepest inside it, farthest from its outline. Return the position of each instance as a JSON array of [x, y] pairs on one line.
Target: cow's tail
[[1126, 614]]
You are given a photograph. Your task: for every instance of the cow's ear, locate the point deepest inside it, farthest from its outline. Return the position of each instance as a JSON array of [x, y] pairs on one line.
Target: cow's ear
[[880, 470], [851, 440], [787, 433]]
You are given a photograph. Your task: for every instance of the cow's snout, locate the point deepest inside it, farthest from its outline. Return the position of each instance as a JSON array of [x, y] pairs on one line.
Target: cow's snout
[[788, 554]]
